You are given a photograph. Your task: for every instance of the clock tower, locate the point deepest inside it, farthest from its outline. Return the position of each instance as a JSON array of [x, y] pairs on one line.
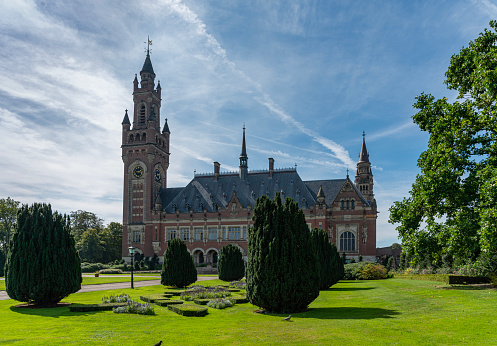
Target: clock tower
[[145, 153]]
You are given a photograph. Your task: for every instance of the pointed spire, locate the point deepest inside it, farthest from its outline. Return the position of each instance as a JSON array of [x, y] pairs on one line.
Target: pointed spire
[[166, 128], [126, 119], [244, 148], [147, 65], [363, 156]]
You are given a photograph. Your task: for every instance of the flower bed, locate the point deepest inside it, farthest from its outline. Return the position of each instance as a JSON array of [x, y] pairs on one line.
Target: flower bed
[[189, 310]]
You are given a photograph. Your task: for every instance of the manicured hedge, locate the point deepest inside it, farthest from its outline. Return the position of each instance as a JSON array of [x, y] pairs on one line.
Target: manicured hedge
[[94, 307], [167, 302], [448, 279], [202, 301], [189, 310], [240, 299], [173, 292], [153, 297]]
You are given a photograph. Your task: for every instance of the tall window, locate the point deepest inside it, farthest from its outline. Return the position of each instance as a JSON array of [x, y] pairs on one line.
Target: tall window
[[199, 234], [347, 241], [137, 203], [212, 233], [142, 114], [234, 233], [245, 232], [171, 233], [185, 234], [137, 236]]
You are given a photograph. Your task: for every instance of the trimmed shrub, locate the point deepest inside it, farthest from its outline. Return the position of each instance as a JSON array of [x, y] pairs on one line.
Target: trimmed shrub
[[493, 280], [167, 302], [189, 310], [240, 299], [42, 265], [352, 271], [94, 307], [202, 301], [230, 265], [110, 271], [178, 268], [200, 292], [153, 297], [116, 299], [238, 284], [373, 272], [329, 261], [173, 292], [282, 270]]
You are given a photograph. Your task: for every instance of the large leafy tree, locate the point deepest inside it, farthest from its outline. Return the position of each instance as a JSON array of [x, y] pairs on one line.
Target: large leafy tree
[[230, 265], [42, 265], [8, 217], [452, 208], [282, 269], [101, 245], [81, 221], [178, 268]]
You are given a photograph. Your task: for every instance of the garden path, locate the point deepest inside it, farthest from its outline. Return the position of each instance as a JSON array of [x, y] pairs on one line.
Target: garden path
[[116, 286]]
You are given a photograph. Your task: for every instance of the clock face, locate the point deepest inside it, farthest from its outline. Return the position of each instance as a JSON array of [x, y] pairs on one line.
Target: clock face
[[157, 176], [138, 172]]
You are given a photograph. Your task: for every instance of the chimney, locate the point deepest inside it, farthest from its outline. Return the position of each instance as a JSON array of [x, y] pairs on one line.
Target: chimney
[[271, 167], [217, 165]]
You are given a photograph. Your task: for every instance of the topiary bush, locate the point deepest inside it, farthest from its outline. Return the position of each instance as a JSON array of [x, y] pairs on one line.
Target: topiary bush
[[230, 265], [178, 268], [110, 271], [352, 271], [188, 310], [42, 266], [372, 271], [282, 270]]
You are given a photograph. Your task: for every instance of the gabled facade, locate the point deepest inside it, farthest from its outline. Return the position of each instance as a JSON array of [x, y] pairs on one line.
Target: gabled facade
[[215, 209]]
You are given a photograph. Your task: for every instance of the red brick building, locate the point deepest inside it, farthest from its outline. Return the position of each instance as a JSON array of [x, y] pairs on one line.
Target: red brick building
[[215, 209]]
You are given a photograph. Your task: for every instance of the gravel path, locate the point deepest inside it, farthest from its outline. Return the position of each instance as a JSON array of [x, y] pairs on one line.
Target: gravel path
[[116, 286]]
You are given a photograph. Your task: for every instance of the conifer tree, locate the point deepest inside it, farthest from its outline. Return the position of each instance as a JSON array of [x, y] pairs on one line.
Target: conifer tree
[[329, 262], [282, 271], [230, 265], [178, 268], [42, 266]]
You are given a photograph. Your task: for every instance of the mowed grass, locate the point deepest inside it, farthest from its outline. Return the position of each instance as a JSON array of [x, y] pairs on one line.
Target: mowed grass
[[384, 312]]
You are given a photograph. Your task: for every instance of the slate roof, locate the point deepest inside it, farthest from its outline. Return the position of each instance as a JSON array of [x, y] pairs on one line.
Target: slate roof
[[147, 65], [204, 193]]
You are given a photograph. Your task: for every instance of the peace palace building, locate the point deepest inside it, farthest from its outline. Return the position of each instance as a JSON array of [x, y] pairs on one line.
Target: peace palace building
[[215, 209]]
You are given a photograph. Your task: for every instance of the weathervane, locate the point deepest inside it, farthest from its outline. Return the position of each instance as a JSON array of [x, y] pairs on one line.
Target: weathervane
[[149, 43]]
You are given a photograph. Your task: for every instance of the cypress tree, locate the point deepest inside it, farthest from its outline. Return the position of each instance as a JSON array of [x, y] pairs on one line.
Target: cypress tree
[[178, 268], [282, 270], [230, 265], [329, 262], [2, 261], [42, 266]]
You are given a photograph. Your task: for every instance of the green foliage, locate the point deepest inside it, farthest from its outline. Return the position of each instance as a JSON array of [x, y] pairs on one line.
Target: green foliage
[[330, 264], [189, 310], [81, 221], [221, 303], [372, 271], [282, 270], [132, 307], [485, 265], [452, 207], [352, 271], [3, 258], [8, 218], [230, 265], [390, 263], [94, 307], [42, 265], [178, 268], [200, 292], [167, 302], [101, 245], [111, 271], [122, 298]]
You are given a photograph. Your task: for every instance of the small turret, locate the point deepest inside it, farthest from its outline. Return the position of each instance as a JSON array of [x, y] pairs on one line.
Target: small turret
[[166, 128]]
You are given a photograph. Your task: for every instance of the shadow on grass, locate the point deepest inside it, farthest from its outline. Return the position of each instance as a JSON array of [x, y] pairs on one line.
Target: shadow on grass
[[51, 312], [343, 289], [347, 313]]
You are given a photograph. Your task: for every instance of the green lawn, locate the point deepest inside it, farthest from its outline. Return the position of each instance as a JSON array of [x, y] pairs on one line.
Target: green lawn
[[385, 312]]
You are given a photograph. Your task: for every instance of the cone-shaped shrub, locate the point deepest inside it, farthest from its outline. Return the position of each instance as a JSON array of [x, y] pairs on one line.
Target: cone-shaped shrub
[[329, 262], [282, 270], [178, 268], [42, 266], [230, 265]]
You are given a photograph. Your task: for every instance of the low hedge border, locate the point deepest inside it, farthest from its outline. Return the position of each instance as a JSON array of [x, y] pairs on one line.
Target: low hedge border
[[173, 293], [164, 302], [189, 310], [448, 279], [94, 307], [153, 297], [240, 299], [202, 301]]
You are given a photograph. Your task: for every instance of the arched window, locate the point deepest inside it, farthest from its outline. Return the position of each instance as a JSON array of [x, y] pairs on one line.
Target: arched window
[[342, 207], [348, 204], [142, 114], [347, 241], [352, 204]]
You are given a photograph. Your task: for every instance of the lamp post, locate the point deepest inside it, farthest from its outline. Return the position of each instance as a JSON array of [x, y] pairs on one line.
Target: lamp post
[[132, 253]]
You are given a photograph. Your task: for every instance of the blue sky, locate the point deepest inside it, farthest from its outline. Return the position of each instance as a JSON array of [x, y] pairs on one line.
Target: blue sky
[[305, 77]]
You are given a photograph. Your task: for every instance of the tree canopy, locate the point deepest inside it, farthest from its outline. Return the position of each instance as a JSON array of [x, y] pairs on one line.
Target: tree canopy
[[82, 221], [452, 208], [8, 217]]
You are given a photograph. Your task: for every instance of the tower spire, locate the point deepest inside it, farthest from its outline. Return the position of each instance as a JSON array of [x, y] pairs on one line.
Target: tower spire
[[243, 158], [364, 156]]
